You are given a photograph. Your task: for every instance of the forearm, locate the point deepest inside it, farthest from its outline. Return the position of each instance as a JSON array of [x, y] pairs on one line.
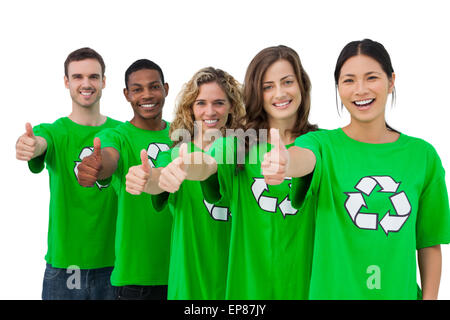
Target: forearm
[[301, 162], [430, 265], [152, 186], [201, 166], [41, 147], [110, 158]]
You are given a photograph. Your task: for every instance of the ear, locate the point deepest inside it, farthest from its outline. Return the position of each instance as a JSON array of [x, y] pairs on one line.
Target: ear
[[166, 89], [125, 93], [391, 83], [103, 82], [66, 82]]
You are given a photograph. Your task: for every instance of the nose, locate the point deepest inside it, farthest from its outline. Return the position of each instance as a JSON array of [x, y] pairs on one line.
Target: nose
[[86, 82], [361, 88], [147, 94], [279, 92], [210, 110]]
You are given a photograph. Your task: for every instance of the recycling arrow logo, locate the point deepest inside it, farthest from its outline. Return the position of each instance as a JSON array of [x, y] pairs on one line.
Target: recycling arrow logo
[[270, 204], [216, 212], [153, 151], [369, 221], [86, 152]]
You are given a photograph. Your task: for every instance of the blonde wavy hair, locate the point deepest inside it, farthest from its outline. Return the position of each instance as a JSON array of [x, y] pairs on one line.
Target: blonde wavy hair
[[184, 114]]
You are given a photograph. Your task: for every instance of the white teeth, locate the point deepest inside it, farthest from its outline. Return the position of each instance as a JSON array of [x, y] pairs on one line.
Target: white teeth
[[147, 105], [86, 93], [210, 121], [363, 102], [281, 104]]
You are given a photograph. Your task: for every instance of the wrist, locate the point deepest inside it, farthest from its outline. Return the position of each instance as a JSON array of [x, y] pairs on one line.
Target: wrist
[[41, 146]]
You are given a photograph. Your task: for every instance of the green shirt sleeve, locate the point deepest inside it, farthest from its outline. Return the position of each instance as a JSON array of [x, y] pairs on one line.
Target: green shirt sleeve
[[304, 188], [433, 215], [218, 188], [110, 138], [159, 201], [37, 164]]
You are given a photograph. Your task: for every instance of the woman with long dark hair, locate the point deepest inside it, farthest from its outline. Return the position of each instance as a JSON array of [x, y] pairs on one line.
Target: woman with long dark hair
[[376, 194]]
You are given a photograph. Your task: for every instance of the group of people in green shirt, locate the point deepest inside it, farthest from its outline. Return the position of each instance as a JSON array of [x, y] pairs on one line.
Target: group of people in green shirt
[[240, 196]]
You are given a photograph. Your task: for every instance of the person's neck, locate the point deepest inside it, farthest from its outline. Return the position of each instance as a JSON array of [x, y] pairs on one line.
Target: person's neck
[[155, 124], [284, 127], [370, 132], [87, 116]]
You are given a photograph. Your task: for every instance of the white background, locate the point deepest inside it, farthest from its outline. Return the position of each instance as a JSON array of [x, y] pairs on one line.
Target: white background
[[182, 37]]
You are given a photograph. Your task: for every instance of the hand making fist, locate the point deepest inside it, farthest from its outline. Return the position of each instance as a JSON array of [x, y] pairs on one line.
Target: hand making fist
[[274, 165], [89, 168], [175, 173], [138, 176], [26, 144]]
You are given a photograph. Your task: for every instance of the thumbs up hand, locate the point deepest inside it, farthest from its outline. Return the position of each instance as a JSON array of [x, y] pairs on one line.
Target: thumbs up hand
[[138, 176], [26, 144], [90, 167], [175, 173], [274, 165]]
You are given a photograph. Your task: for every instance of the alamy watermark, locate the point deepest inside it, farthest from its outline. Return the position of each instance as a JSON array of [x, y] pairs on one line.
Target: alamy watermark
[[74, 280], [374, 280], [233, 149]]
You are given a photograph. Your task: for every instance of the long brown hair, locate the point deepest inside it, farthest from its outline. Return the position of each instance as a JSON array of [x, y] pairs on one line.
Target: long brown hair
[[256, 116]]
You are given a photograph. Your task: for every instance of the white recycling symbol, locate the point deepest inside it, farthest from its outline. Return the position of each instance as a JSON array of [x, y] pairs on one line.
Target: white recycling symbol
[[390, 223], [86, 152], [153, 151], [216, 212], [270, 203]]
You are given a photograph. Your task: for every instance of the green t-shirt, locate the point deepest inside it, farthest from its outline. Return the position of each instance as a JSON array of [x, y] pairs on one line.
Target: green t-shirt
[[142, 237], [271, 242], [82, 220], [200, 240], [374, 205]]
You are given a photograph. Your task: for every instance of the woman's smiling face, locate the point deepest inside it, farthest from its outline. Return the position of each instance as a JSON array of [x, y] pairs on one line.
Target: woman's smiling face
[[211, 107], [281, 91], [364, 88]]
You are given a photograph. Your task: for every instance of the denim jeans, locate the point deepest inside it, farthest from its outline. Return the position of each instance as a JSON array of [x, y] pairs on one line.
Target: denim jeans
[[77, 284], [142, 292]]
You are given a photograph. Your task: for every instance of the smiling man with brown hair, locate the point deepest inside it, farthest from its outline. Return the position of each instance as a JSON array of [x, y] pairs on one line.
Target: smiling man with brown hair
[[82, 220]]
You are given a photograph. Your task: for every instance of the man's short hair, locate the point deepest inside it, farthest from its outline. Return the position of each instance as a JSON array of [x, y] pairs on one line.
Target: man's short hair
[[142, 64], [82, 54]]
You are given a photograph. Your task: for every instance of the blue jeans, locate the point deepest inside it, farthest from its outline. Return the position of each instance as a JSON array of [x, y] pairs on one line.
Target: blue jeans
[[132, 292], [77, 284]]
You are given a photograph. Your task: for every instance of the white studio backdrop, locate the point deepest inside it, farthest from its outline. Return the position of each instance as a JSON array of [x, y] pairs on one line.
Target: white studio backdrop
[[182, 37]]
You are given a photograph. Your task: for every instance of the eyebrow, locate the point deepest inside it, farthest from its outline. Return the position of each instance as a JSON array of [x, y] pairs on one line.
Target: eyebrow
[[289, 75], [79, 75], [215, 100], [140, 85], [366, 74]]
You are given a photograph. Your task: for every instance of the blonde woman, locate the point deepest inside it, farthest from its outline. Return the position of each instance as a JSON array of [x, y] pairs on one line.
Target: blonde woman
[[207, 105]]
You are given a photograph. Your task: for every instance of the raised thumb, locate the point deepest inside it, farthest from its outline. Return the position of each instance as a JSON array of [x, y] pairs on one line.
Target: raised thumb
[[183, 150], [275, 139], [97, 147], [29, 130], [144, 160]]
